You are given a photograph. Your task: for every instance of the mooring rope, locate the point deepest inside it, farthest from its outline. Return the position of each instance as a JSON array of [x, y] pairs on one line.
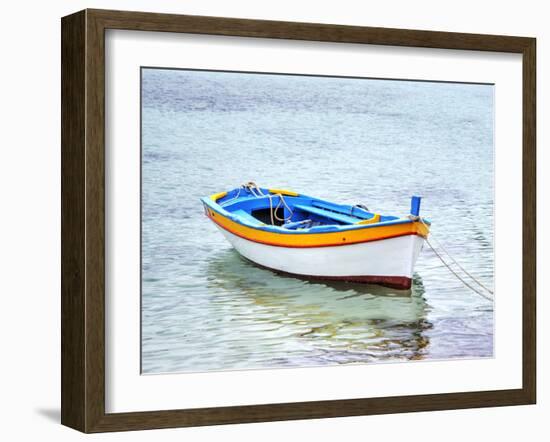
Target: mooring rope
[[440, 245], [488, 297], [446, 264]]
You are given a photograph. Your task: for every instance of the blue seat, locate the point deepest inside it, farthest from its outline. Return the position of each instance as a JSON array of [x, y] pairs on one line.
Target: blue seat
[[340, 217]]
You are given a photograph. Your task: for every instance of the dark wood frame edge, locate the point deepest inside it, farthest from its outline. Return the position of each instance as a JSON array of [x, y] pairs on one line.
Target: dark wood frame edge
[[83, 216]]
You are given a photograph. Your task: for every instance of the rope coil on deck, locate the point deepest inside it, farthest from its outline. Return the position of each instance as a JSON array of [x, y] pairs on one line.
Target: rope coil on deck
[[446, 264]]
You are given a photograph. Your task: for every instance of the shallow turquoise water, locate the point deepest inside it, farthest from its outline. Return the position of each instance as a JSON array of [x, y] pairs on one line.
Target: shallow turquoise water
[[375, 142]]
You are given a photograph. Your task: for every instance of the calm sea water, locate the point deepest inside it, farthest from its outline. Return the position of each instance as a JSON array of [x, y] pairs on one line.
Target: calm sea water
[[375, 142]]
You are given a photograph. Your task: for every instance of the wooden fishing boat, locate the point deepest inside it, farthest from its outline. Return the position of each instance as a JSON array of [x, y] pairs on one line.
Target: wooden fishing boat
[[303, 236]]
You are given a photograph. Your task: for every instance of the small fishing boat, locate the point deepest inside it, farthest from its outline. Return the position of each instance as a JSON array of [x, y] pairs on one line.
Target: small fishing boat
[[303, 236]]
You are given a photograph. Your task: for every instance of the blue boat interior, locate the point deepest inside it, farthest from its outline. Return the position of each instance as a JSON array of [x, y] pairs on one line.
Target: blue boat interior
[[264, 207]]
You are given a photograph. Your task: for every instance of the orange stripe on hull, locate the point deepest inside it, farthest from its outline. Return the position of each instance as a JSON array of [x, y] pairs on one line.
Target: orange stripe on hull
[[329, 239]]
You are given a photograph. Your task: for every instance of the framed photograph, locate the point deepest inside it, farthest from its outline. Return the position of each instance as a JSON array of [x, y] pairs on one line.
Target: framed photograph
[[270, 220]]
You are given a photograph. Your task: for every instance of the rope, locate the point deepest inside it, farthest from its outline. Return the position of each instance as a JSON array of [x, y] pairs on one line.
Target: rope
[[442, 259], [225, 203], [483, 295], [440, 245], [283, 202], [253, 188]]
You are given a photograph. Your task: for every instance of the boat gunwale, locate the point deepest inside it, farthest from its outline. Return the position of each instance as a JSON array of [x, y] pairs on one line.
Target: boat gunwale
[[217, 208]]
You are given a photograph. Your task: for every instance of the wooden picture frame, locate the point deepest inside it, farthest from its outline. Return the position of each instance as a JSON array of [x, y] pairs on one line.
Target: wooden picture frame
[[83, 220]]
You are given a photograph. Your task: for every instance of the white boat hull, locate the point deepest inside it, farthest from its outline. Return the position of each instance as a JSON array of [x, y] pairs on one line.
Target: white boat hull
[[387, 261]]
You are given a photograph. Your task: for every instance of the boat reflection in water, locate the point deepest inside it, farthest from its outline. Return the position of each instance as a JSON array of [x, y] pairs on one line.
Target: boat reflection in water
[[283, 321]]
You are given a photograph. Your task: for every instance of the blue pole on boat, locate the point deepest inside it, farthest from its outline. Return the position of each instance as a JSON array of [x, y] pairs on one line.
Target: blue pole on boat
[[415, 205]]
